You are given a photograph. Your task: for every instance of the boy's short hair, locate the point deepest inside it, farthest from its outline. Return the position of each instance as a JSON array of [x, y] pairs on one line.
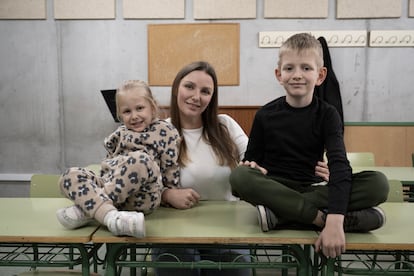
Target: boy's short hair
[[302, 42]]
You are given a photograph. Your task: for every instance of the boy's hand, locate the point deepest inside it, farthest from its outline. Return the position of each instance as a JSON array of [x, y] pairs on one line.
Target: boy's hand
[[331, 240], [253, 165]]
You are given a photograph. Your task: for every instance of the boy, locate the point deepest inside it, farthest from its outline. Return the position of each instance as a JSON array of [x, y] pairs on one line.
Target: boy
[[288, 137]]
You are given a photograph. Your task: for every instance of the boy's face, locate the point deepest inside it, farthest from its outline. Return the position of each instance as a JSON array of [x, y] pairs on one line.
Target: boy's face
[[299, 73], [135, 110]]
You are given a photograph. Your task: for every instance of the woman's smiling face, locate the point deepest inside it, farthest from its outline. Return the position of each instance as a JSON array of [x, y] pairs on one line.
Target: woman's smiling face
[[194, 94]]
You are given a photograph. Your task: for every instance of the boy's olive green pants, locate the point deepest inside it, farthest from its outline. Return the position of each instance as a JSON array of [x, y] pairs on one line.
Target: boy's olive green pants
[[299, 202]]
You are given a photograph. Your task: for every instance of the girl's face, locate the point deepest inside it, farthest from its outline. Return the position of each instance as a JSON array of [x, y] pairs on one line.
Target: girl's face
[[194, 95], [134, 110], [299, 73]]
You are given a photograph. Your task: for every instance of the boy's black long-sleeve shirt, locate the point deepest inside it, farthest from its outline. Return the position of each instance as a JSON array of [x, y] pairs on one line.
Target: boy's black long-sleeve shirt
[[289, 141]]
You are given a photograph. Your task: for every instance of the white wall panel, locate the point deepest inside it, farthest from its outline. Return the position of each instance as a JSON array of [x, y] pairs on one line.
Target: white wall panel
[[153, 9], [368, 8], [84, 9], [295, 9], [224, 9], [22, 9]]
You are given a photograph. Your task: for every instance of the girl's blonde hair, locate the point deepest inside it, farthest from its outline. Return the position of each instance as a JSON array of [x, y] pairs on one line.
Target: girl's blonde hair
[[138, 86]]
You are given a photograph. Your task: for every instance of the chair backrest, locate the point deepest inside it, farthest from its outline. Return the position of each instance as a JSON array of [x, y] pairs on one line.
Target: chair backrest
[[396, 193], [96, 168], [45, 185], [361, 159]]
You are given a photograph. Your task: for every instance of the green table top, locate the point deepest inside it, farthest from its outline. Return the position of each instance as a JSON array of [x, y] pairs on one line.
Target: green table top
[[209, 222], [34, 220], [404, 174], [236, 223], [396, 234]]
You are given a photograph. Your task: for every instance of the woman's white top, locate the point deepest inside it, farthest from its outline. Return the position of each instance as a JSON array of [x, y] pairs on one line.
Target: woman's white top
[[203, 173]]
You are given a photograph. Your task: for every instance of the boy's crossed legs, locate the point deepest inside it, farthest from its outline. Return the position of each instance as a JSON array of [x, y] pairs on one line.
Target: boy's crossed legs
[[364, 220], [308, 208]]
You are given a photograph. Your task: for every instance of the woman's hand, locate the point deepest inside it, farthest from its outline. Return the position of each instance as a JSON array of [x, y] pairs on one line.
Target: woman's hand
[[253, 165], [180, 198], [322, 170]]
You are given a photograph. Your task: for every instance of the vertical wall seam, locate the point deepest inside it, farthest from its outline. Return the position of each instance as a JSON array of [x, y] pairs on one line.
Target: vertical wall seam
[[61, 117], [365, 112]]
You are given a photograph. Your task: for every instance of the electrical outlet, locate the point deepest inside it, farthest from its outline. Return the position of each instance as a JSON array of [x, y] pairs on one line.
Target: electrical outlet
[[333, 38], [392, 38]]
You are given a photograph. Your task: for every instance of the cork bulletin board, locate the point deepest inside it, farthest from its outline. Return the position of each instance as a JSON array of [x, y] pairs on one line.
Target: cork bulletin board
[[172, 46]]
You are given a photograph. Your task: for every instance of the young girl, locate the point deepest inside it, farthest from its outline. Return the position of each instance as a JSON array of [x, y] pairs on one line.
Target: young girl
[[141, 162]]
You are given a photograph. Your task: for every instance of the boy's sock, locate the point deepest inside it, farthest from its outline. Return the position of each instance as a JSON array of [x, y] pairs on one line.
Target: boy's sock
[[72, 217], [125, 223]]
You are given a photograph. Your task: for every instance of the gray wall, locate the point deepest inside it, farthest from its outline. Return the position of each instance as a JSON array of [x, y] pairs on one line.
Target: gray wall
[[52, 115]]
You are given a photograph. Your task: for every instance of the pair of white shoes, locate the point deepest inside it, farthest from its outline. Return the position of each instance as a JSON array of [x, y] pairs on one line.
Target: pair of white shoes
[[120, 223]]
